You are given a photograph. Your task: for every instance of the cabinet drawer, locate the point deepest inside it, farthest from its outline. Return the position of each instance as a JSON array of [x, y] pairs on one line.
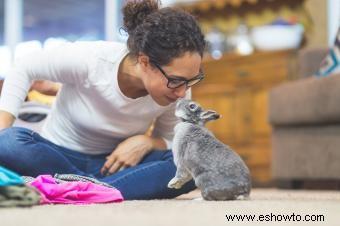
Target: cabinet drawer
[[254, 155], [247, 70], [257, 157], [257, 74]]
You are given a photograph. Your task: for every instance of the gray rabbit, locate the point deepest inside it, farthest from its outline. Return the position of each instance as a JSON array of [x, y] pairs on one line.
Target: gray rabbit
[[218, 171]]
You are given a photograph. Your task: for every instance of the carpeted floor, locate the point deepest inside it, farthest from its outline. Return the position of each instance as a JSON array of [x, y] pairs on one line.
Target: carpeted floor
[[186, 210]]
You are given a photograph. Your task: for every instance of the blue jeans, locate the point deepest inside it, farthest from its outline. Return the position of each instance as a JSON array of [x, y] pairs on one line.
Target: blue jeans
[[29, 154]]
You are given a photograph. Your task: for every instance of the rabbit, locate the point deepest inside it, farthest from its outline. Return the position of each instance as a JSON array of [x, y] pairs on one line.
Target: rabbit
[[217, 170]]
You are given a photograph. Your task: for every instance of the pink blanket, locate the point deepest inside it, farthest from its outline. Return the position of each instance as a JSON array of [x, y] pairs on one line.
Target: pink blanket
[[74, 192]]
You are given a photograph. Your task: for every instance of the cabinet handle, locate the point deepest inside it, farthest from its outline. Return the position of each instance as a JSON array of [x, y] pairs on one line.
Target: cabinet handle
[[242, 73]]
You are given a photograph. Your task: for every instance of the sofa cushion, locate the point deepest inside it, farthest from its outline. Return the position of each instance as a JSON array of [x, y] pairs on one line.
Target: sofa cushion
[[306, 101], [331, 63], [306, 152], [309, 60]]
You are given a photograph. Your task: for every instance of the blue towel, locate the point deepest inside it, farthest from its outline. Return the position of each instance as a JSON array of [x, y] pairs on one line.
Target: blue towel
[[8, 177]]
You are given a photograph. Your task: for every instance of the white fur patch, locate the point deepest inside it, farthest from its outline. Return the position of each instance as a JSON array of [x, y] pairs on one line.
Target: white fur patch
[[180, 114]]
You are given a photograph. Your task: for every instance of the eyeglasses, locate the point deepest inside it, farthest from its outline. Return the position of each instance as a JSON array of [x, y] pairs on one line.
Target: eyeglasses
[[174, 83]]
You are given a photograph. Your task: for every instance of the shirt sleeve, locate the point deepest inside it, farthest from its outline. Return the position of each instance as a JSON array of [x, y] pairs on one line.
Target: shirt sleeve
[[165, 123], [65, 64]]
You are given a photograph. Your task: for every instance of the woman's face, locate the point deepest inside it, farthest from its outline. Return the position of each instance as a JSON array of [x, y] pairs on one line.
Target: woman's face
[[185, 67]]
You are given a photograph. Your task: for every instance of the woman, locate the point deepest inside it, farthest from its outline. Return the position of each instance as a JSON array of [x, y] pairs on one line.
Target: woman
[[111, 93]]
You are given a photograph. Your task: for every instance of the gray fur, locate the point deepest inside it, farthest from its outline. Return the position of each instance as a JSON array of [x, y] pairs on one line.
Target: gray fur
[[218, 171]]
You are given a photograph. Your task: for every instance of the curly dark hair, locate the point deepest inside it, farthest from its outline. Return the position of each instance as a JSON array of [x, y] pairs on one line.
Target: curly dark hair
[[161, 33]]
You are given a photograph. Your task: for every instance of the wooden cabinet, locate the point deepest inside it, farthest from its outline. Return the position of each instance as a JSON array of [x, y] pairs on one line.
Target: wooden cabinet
[[237, 88]]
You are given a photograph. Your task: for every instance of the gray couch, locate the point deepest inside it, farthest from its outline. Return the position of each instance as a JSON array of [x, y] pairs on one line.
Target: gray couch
[[305, 118]]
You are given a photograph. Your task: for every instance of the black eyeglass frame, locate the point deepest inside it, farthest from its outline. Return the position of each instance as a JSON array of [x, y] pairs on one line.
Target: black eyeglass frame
[[186, 82]]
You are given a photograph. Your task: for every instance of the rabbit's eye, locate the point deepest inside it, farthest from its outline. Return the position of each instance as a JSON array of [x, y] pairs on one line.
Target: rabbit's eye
[[192, 106]]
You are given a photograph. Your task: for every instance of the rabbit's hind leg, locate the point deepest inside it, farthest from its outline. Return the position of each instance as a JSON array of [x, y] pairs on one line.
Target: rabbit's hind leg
[[228, 193], [182, 176]]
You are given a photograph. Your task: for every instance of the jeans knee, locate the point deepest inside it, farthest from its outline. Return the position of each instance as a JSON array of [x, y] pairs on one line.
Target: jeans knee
[[13, 131], [168, 156], [10, 139], [5, 136]]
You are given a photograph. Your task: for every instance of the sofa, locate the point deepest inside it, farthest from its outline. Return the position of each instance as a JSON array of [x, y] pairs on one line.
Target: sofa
[[305, 117]]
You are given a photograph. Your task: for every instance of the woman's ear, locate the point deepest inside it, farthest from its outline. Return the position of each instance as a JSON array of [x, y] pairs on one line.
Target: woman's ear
[[144, 61]]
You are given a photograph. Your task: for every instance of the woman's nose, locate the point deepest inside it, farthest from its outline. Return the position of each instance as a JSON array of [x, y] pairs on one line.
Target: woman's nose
[[180, 91]]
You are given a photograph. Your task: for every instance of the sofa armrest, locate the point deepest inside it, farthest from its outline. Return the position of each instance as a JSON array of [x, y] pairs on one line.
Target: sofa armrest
[[309, 60], [311, 100]]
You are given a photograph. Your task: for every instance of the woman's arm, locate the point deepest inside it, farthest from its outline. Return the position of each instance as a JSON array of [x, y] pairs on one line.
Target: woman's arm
[[130, 152], [66, 64], [158, 143]]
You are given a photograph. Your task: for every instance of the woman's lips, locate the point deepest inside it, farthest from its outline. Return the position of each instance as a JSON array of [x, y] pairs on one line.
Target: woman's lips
[[171, 99]]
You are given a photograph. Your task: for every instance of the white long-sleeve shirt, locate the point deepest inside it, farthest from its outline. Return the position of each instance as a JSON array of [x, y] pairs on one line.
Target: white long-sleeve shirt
[[91, 114]]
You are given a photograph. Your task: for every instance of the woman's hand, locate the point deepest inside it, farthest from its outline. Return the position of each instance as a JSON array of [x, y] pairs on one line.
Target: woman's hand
[[128, 153], [6, 120]]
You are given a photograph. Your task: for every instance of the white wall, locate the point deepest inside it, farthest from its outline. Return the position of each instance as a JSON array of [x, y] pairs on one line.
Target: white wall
[[333, 19]]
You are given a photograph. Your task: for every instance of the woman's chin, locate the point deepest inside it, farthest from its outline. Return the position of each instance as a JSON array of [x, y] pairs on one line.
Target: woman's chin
[[165, 101]]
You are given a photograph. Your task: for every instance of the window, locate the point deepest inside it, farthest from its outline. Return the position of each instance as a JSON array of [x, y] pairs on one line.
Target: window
[[333, 20], [68, 19], [2, 12]]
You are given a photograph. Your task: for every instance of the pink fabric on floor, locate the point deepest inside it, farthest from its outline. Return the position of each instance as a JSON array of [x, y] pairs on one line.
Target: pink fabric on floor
[[74, 192]]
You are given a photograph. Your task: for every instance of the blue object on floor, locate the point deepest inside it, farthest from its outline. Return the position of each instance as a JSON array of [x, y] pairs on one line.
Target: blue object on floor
[[8, 177]]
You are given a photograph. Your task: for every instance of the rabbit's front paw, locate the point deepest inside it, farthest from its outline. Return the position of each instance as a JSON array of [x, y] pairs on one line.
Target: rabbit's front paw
[[175, 183]]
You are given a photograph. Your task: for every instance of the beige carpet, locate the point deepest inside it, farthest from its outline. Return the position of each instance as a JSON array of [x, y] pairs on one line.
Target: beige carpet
[[187, 211]]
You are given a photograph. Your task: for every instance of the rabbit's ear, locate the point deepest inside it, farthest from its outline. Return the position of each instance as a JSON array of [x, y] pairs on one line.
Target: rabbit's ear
[[209, 115]]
